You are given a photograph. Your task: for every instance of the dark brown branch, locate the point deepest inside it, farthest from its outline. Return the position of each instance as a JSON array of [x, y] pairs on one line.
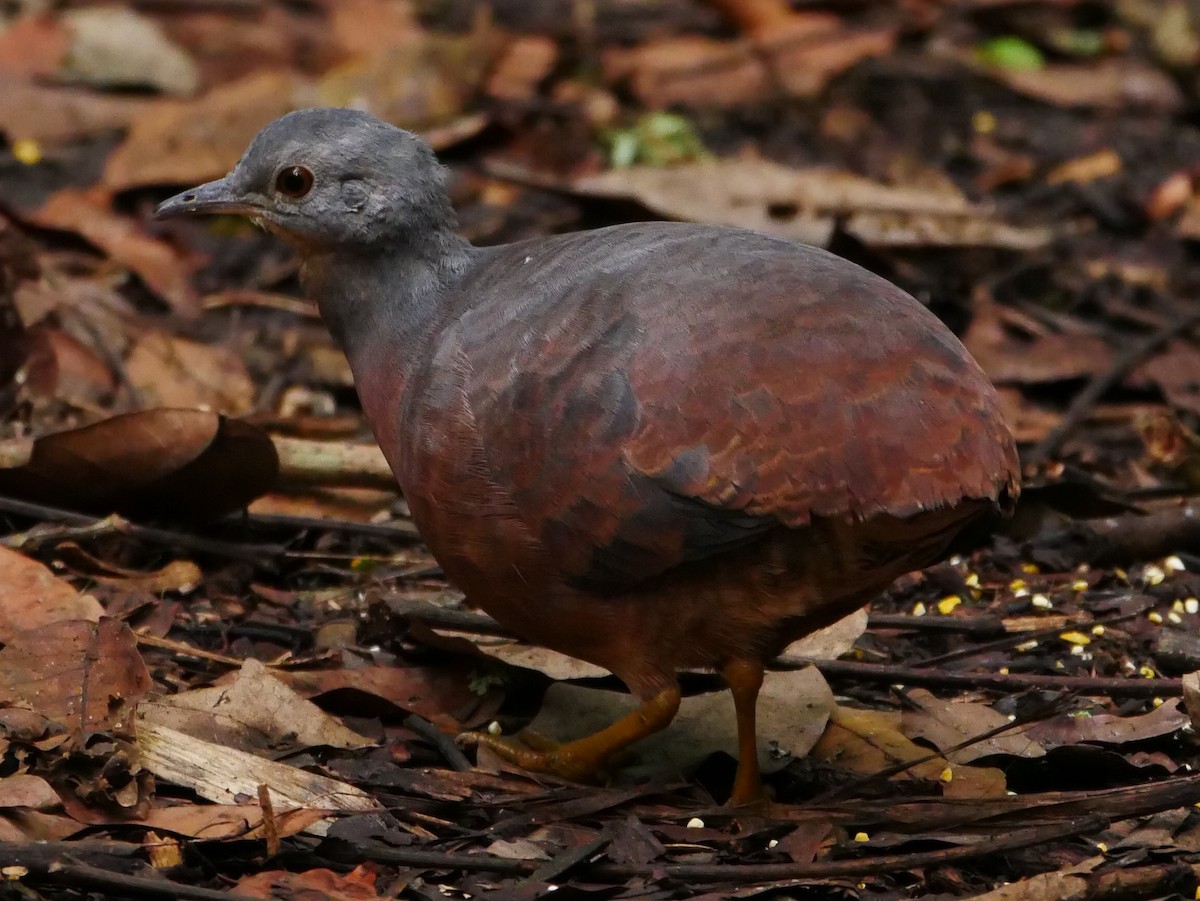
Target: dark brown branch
[[1006, 682]]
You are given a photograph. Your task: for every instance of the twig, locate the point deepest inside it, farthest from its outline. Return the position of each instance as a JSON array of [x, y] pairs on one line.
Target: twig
[[254, 553], [1124, 364], [1015, 638], [1007, 682], [857, 866], [445, 744]]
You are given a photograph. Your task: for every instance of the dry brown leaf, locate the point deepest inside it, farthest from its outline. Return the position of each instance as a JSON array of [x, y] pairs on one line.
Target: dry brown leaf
[[1176, 372], [867, 741], [798, 57], [947, 723], [213, 822], [357, 885], [185, 142], [525, 63], [89, 677], [118, 47], [59, 366], [256, 712], [54, 115], [688, 69], [833, 641], [35, 826], [90, 215], [1108, 729], [173, 372], [32, 597], [27, 790], [435, 693], [179, 463], [417, 84], [33, 46], [178, 575], [805, 203], [1107, 84], [1011, 354]]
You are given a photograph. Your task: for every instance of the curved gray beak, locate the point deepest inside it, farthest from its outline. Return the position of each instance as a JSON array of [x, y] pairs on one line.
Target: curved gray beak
[[218, 196]]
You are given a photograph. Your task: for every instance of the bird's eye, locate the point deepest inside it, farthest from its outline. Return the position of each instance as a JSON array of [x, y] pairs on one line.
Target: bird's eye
[[294, 182]]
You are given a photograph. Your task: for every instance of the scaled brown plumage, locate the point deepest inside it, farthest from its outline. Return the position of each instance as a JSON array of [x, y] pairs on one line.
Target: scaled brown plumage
[[652, 446]]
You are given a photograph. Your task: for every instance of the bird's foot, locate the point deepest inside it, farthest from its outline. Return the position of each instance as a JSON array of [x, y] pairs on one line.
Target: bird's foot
[[539, 754]]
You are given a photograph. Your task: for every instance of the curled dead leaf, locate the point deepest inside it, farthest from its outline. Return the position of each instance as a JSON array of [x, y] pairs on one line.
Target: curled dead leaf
[[188, 464]]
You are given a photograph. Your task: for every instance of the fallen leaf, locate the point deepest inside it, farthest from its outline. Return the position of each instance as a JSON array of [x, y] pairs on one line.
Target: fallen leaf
[[33, 46], [173, 372], [1011, 352], [87, 676], [435, 693], [178, 575], [868, 741], [256, 712], [57, 115], [117, 47], [27, 790], [948, 723], [1108, 729], [32, 597], [1104, 84], [185, 142], [357, 885], [833, 641], [804, 204], [178, 463], [89, 215]]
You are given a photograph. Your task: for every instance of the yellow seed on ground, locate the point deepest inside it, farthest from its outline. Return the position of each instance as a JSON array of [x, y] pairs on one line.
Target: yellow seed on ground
[[947, 604], [1155, 617], [695, 823], [1174, 564], [1079, 585], [1041, 602], [984, 122], [1146, 672], [947, 774], [971, 580], [1075, 638], [919, 609], [27, 151], [861, 837], [1098, 629], [1018, 584], [1030, 569]]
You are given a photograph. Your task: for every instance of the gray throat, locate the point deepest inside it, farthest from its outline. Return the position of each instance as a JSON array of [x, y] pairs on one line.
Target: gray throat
[[386, 298]]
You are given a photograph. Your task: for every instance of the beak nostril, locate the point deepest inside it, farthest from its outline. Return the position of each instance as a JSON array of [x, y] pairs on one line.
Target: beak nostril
[[189, 197]]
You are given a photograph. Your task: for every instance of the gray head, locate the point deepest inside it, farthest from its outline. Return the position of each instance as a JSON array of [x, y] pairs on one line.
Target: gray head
[[330, 178]]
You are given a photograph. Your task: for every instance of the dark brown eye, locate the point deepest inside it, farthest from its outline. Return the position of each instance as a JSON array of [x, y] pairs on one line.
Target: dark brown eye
[[294, 182]]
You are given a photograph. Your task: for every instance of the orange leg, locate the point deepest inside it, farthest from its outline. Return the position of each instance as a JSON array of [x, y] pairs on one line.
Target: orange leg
[[745, 678], [579, 760]]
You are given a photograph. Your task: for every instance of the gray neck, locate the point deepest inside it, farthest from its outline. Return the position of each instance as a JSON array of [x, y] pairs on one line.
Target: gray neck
[[388, 297]]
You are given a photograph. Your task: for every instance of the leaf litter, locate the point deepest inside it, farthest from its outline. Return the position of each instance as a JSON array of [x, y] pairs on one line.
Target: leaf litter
[[219, 635]]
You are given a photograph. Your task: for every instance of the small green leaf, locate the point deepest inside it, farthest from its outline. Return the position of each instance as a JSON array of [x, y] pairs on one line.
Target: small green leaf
[[1010, 52]]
